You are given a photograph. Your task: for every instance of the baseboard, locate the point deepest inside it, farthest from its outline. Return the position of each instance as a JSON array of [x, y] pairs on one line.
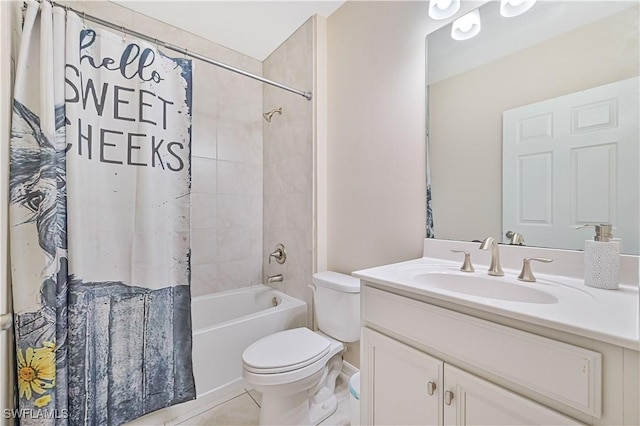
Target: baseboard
[[348, 370]]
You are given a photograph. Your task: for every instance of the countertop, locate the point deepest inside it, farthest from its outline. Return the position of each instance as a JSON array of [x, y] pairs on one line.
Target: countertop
[[607, 315]]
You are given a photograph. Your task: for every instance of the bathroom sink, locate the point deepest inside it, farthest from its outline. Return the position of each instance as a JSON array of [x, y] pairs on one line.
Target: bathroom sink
[[490, 288]]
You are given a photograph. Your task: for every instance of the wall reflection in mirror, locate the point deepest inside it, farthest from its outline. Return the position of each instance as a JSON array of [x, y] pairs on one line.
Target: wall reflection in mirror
[[533, 125]]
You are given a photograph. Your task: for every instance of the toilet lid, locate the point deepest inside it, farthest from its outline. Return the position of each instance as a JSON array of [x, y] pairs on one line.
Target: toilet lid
[[285, 351]]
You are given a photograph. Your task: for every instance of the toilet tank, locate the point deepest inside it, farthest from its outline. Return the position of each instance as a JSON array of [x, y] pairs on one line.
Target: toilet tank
[[337, 305]]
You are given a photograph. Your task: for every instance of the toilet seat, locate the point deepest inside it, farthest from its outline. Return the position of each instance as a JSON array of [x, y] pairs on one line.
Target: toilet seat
[[285, 351], [306, 354]]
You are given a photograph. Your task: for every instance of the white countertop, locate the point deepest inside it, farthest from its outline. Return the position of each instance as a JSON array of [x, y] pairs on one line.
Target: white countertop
[[607, 315]]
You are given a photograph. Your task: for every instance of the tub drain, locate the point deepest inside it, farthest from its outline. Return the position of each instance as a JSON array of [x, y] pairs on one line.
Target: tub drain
[[274, 301]]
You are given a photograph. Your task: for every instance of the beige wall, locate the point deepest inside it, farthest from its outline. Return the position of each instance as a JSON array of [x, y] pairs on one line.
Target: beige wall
[[288, 164], [466, 115], [376, 209], [376, 187], [376, 116]]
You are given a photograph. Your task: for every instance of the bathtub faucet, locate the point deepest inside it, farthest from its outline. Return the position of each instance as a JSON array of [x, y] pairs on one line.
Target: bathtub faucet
[[279, 254], [274, 279]]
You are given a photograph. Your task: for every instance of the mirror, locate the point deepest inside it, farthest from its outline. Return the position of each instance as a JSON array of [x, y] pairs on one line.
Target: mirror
[[552, 53]]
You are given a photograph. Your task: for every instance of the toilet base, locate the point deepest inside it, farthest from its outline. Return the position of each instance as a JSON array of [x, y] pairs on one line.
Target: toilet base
[[319, 412], [306, 402], [284, 410], [295, 410], [287, 404]]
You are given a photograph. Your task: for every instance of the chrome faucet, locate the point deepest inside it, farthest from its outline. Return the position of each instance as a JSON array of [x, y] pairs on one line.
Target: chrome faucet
[[279, 254], [515, 238], [274, 279], [490, 243]]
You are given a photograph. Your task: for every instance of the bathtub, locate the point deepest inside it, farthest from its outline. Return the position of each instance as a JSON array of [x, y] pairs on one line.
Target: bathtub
[[225, 324]]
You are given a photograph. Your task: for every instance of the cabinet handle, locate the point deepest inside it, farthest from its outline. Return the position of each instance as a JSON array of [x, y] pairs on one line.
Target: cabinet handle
[[448, 397], [431, 388]]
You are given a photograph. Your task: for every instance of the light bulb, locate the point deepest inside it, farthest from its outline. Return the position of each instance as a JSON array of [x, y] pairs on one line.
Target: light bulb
[[443, 4], [511, 8], [443, 9], [467, 26]]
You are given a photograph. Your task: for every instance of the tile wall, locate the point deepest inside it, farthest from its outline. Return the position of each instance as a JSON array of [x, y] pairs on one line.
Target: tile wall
[[288, 163], [227, 213]]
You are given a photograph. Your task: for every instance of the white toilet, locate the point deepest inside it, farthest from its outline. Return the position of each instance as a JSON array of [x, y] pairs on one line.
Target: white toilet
[[296, 370]]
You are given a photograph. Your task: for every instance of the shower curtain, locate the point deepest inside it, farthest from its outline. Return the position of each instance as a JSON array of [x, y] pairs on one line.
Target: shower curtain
[[99, 223], [429, 222]]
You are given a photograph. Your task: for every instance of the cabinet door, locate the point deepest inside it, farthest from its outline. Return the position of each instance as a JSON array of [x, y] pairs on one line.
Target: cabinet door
[[469, 400], [400, 385]]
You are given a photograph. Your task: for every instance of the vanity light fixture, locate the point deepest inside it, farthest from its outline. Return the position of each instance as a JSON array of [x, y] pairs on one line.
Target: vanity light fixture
[[467, 26], [511, 8], [443, 9]]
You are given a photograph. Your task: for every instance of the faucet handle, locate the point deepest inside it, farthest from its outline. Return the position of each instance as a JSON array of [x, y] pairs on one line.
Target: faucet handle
[[515, 238], [527, 274], [466, 266], [279, 254]]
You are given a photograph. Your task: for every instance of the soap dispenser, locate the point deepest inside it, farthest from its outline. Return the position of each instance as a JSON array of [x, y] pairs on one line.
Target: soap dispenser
[[602, 259]]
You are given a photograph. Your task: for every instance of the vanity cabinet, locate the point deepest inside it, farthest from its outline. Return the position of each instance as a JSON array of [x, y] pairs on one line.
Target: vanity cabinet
[[426, 364], [470, 400], [405, 386]]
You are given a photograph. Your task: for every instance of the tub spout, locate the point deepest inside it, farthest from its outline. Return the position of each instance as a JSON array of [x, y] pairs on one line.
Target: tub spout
[[274, 279]]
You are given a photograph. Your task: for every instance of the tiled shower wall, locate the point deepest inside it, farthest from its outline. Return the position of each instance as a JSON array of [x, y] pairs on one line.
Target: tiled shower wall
[[226, 215], [226, 196], [288, 164]]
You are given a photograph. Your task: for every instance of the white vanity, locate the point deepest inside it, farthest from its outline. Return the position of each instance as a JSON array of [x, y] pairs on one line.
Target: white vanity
[[441, 346]]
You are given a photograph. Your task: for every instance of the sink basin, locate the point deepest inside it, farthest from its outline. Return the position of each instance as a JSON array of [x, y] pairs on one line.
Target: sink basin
[[490, 288]]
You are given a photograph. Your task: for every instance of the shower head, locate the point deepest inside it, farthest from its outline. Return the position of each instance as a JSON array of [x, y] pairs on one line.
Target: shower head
[[267, 115]]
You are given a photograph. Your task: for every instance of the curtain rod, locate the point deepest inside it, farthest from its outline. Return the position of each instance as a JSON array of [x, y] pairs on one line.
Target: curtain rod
[[307, 95]]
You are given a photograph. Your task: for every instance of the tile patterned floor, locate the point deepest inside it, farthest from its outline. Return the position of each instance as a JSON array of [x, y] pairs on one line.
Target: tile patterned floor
[[244, 409], [241, 410]]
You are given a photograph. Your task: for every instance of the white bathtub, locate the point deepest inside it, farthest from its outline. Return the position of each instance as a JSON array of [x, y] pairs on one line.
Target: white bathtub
[[225, 324]]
